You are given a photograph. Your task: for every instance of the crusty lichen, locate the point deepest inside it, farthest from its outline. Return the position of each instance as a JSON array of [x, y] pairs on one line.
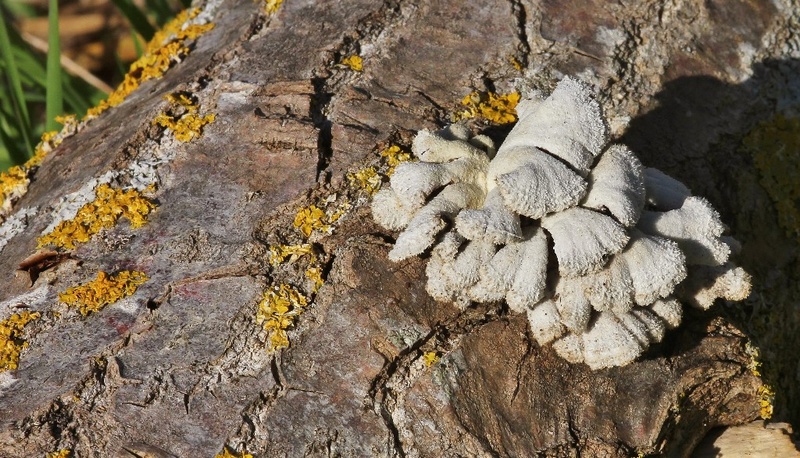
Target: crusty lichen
[[104, 290], [309, 219], [496, 108], [167, 47], [66, 453], [312, 218], [185, 122], [14, 182], [11, 341], [394, 156], [354, 62], [278, 312], [430, 358], [366, 179], [228, 453], [775, 147], [104, 212], [272, 6], [766, 399], [289, 253]]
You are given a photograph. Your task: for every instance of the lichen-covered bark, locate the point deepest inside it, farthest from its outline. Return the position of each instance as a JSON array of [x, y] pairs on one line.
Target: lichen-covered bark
[[374, 366]]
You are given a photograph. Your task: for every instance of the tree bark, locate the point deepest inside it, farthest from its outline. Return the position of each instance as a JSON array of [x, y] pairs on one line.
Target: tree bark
[[374, 366]]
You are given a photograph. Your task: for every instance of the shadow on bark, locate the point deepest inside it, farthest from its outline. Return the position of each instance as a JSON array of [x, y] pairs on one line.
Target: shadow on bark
[[726, 143]]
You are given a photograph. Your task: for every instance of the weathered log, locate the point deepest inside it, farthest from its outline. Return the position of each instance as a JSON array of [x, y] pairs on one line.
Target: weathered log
[[375, 367]]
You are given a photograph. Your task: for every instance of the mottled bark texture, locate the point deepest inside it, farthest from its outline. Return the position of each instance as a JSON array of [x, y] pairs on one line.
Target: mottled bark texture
[[182, 368]]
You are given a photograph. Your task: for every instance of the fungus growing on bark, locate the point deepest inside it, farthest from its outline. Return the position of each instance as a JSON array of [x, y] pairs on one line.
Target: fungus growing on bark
[[627, 241]]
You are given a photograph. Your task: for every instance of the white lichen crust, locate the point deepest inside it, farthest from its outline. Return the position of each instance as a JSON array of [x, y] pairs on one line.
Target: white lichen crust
[[596, 249]]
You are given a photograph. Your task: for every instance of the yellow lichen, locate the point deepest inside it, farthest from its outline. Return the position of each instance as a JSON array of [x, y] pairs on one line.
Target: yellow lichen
[[167, 47], [311, 218], [186, 124], [755, 355], [13, 185], [14, 182], [766, 399], [11, 341], [104, 290], [496, 108], [775, 147], [278, 311], [271, 6], [430, 358], [314, 273], [354, 61], [394, 155], [103, 213], [515, 63], [366, 179], [66, 453]]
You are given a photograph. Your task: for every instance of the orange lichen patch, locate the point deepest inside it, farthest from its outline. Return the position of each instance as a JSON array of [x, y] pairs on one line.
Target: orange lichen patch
[[355, 62], [11, 341], [166, 48], [394, 155], [278, 311], [271, 6], [496, 108], [186, 124], [311, 218], [366, 179], [775, 147], [103, 213], [104, 290], [66, 453]]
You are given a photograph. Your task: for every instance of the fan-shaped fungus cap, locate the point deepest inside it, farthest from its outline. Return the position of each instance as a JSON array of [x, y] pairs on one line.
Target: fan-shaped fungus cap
[[608, 342], [664, 192], [696, 227], [545, 322], [616, 183], [390, 211], [669, 310], [707, 283], [533, 183], [494, 222], [584, 239], [568, 124], [429, 220], [517, 272]]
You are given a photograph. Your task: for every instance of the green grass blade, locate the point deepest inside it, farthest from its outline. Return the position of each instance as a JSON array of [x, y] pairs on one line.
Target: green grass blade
[[16, 94], [55, 90], [136, 18]]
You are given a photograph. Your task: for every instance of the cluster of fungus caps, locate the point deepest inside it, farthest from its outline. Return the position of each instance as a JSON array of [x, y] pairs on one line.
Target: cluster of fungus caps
[[598, 251]]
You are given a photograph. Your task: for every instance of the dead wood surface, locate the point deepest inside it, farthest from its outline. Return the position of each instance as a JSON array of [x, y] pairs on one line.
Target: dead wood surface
[[183, 369]]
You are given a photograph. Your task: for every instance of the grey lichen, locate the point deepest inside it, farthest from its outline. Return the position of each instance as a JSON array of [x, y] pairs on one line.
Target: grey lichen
[[629, 241]]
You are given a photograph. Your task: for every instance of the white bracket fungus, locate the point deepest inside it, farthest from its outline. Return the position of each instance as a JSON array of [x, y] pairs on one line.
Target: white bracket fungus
[[628, 241]]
